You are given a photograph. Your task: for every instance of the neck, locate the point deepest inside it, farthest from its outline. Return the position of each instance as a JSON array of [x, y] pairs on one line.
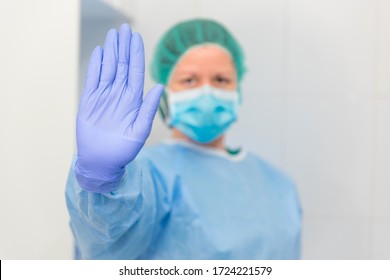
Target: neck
[[218, 143]]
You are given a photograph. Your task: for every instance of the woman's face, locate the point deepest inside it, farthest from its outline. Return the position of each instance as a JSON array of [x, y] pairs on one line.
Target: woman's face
[[204, 65]]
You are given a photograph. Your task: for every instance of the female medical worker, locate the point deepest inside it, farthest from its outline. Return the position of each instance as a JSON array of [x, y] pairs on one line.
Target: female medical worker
[[189, 198]]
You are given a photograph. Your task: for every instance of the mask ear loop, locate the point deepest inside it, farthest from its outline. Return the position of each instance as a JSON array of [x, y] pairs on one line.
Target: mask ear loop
[[163, 107], [239, 94]]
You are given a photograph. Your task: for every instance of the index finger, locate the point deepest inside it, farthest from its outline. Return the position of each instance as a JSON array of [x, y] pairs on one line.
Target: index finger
[[137, 65]]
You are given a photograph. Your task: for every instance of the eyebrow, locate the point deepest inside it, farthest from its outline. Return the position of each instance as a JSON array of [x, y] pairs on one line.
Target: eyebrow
[[226, 73], [185, 73], [192, 72]]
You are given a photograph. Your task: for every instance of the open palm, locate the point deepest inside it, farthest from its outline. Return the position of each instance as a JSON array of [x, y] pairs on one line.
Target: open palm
[[113, 120]]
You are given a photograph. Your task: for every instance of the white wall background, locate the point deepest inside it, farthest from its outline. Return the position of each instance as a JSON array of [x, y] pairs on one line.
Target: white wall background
[[38, 82], [316, 103]]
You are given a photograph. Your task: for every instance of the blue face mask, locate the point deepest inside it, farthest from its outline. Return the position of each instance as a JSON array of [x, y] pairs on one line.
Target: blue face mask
[[202, 114]]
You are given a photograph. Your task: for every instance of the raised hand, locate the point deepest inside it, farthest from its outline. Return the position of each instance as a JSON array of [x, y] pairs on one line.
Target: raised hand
[[113, 120]]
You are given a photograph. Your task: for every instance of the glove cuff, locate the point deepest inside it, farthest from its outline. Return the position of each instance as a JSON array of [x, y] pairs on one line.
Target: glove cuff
[[96, 184]]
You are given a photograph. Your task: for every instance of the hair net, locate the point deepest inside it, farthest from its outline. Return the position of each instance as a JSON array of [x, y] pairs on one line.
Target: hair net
[[182, 37]]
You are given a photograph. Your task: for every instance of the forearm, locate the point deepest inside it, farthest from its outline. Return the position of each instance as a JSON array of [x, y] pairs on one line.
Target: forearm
[[105, 224]]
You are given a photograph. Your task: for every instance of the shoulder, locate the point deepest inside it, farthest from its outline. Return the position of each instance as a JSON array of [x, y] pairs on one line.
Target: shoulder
[[270, 171], [156, 151], [281, 185], [158, 156]]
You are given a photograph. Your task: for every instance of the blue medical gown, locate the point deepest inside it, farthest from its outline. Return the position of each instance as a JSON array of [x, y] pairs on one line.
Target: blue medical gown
[[181, 201]]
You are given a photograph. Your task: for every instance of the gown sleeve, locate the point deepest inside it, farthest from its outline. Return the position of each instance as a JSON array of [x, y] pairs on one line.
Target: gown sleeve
[[120, 224]]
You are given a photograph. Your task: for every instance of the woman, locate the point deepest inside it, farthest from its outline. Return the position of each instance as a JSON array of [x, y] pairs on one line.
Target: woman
[[187, 198]]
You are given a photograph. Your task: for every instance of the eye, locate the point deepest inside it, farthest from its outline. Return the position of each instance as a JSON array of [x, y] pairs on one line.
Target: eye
[[189, 81], [222, 80]]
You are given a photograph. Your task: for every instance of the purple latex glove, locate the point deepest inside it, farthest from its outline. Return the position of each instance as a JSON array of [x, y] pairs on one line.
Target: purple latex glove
[[113, 120]]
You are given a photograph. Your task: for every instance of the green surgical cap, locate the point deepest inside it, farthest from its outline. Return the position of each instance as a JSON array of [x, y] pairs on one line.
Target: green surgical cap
[[184, 35]]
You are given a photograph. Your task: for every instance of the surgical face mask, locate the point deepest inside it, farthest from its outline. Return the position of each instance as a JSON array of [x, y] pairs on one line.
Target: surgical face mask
[[202, 114]]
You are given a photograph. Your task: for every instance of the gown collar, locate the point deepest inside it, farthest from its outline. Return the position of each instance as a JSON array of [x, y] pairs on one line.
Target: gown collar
[[241, 155]]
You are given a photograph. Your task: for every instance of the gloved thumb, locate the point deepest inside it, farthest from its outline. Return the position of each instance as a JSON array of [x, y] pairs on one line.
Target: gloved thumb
[[149, 107]]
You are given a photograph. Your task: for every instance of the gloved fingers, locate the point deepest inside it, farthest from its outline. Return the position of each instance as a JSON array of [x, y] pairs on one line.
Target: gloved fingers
[[93, 72], [148, 110], [124, 53], [92, 78], [110, 57], [137, 66]]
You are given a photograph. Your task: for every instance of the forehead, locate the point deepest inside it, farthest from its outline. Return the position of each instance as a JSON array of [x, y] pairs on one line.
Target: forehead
[[205, 58]]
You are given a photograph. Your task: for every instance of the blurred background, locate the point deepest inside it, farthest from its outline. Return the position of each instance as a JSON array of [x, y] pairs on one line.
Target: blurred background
[[316, 104]]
